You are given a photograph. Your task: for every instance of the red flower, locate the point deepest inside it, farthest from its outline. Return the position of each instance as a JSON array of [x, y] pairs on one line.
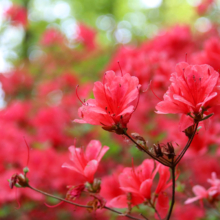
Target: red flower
[[86, 162], [17, 14], [139, 180], [194, 89], [52, 37], [87, 36], [114, 103]]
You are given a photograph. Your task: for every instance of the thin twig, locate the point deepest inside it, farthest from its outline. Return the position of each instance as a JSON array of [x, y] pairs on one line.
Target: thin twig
[[164, 161], [186, 147], [80, 205], [152, 205], [144, 216]]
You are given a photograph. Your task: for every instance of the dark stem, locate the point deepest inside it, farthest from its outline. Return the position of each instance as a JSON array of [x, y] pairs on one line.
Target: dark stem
[[173, 192], [161, 160], [83, 206], [187, 146]]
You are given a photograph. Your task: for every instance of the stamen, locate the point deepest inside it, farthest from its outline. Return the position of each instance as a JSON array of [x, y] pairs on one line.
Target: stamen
[[154, 93], [78, 95], [186, 58], [106, 95], [53, 206], [28, 150], [120, 68]]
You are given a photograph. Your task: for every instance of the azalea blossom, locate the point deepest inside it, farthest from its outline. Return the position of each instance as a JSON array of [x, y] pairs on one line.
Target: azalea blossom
[[140, 180], [86, 162], [133, 186], [211, 194], [194, 89], [115, 101], [114, 195]]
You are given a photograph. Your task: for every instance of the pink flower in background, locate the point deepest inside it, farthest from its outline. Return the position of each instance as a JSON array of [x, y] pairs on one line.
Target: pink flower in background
[[203, 7], [86, 161], [17, 14], [87, 36], [51, 36], [194, 89], [211, 194], [115, 101], [200, 192]]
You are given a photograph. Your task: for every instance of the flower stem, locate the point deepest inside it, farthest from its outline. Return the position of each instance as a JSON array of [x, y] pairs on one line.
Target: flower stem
[[80, 205], [173, 192], [152, 205], [161, 160], [187, 146]]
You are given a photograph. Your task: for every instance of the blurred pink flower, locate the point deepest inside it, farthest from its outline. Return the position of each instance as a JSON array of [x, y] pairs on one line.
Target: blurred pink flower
[[87, 36], [203, 7], [114, 103], [201, 193], [86, 162], [17, 15], [51, 36]]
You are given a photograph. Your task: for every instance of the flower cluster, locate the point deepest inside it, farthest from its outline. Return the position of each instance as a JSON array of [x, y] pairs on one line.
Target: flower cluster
[[133, 186], [194, 89]]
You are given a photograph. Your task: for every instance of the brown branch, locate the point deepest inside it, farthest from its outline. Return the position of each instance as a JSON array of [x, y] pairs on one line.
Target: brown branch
[[82, 206], [152, 205], [187, 146], [160, 160]]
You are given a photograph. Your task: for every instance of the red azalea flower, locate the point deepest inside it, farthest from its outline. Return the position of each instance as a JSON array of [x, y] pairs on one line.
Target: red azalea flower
[[139, 180], [194, 89], [114, 103], [86, 162]]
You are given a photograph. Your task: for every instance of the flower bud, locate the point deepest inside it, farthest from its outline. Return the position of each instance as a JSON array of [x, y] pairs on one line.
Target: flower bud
[[22, 180], [96, 185], [74, 192], [170, 150], [13, 180], [26, 170], [158, 150], [189, 131]]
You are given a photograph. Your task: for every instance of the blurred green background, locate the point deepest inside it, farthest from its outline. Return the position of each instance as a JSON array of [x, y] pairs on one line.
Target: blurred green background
[[117, 22]]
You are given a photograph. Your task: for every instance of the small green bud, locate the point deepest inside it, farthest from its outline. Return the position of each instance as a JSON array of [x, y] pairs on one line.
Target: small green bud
[[26, 170]]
